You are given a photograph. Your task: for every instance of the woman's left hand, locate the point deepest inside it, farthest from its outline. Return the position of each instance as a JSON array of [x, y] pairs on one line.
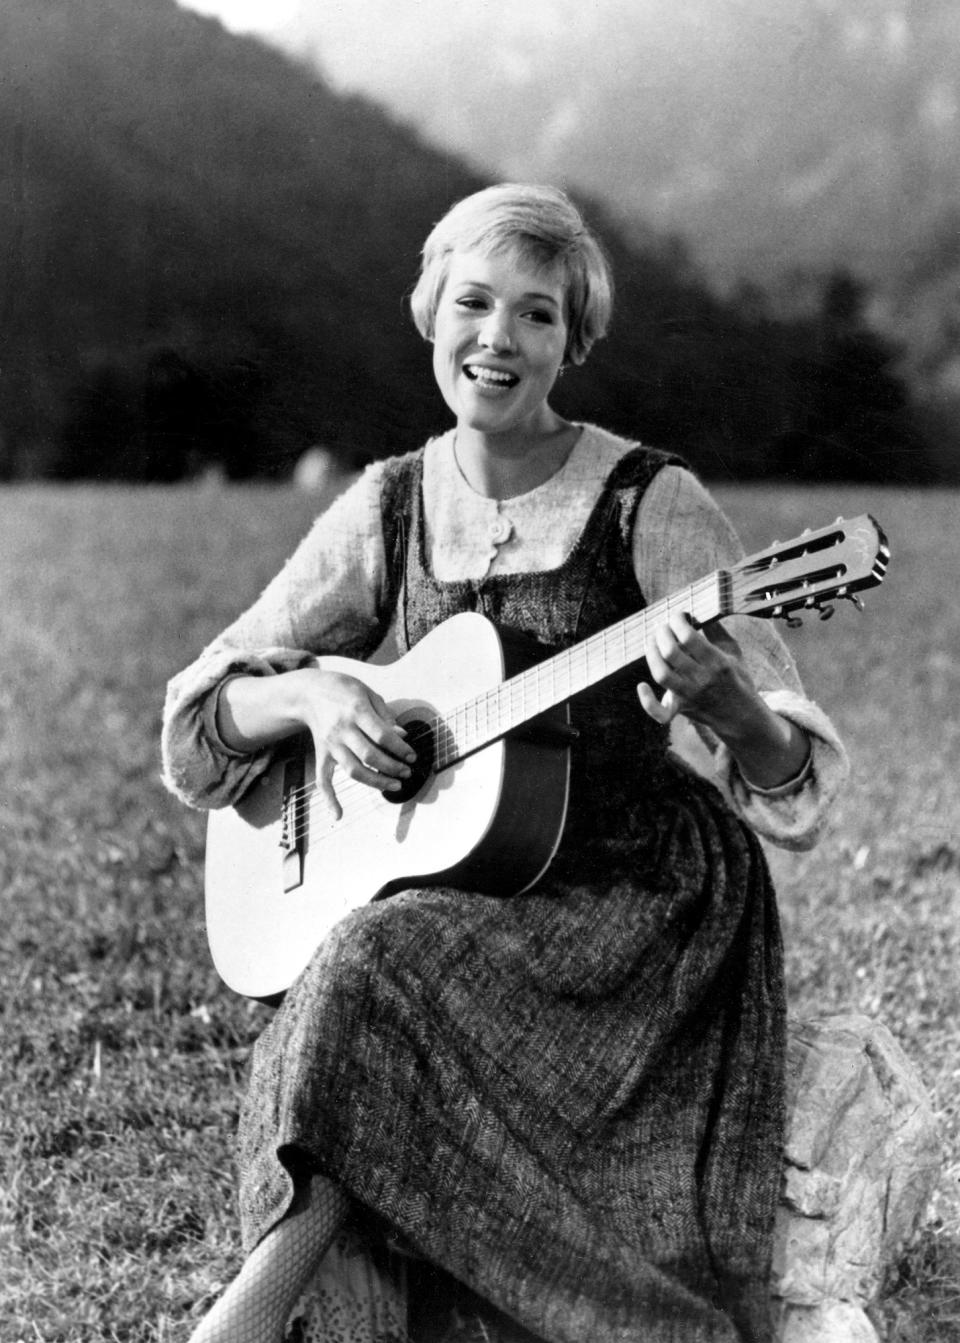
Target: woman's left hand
[[701, 675]]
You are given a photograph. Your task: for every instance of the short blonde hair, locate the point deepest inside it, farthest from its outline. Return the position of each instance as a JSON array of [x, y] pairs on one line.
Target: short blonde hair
[[542, 227]]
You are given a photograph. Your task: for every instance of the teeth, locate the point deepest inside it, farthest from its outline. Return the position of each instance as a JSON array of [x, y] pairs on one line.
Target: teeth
[[490, 376]]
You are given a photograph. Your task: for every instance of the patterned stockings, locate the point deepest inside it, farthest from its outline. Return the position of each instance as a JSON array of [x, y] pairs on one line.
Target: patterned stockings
[[255, 1307]]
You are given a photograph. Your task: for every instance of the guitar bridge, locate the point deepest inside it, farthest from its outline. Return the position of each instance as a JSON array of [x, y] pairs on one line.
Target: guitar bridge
[[293, 822]]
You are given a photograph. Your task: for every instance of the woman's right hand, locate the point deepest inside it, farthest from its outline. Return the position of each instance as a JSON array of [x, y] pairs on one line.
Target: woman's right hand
[[351, 726]]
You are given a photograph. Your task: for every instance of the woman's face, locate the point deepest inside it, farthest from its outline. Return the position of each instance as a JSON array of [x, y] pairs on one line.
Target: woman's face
[[499, 337]]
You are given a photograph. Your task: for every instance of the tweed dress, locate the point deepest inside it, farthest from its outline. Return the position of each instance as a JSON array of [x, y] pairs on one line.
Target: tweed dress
[[570, 1099]]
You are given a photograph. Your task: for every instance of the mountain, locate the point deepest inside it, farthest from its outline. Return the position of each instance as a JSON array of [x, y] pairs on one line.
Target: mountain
[[823, 132], [204, 250], [184, 196], [776, 138]]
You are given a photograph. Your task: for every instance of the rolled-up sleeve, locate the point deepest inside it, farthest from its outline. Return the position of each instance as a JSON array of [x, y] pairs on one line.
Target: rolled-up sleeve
[[682, 534], [328, 598]]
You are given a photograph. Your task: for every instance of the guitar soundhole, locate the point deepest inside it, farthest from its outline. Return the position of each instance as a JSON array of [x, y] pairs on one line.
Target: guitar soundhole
[[420, 737]]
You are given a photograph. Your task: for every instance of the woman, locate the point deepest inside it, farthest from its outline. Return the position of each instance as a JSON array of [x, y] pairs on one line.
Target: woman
[[571, 1099]]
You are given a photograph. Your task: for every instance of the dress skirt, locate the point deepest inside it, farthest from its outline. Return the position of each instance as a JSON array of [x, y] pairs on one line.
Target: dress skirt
[[570, 1099]]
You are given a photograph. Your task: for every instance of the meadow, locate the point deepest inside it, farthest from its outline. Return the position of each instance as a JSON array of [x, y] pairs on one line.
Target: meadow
[[121, 1055]]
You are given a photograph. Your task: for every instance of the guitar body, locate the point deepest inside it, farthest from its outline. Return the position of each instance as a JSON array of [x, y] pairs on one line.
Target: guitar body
[[280, 874]]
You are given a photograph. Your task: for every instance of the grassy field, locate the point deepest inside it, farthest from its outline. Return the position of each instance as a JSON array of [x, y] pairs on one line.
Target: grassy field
[[122, 1057]]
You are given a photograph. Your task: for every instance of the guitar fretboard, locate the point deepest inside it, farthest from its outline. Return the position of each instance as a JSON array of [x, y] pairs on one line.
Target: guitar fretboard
[[505, 707]]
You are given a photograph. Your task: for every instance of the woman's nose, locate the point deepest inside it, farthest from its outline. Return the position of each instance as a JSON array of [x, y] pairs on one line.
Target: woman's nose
[[496, 333]]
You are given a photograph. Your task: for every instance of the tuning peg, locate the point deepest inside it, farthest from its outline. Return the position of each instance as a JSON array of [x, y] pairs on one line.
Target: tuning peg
[[792, 622], [854, 599], [826, 611]]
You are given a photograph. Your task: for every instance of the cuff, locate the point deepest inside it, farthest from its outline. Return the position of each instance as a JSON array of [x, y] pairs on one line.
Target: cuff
[[795, 814], [209, 712], [197, 766], [789, 785]]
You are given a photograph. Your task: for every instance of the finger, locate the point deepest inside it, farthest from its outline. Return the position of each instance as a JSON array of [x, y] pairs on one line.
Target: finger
[[359, 757], [659, 646], [656, 666], [661, 711], [676, 641], [383, 710], [670, 660], [324, 786], [691, 639], [682, 628], [380, 726]]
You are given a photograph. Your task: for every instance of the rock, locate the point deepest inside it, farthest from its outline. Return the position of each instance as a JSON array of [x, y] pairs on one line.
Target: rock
[[835, 1322], [862, 1157]]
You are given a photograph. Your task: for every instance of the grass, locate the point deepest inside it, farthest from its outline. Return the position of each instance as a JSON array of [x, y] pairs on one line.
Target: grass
[[123, 1057]]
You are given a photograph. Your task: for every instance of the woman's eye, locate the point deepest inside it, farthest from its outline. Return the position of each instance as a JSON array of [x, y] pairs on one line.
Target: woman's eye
[[471, 304], [540, 315]]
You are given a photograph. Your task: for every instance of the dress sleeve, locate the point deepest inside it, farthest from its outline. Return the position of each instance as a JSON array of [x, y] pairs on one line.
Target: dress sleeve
[[680, 535], [330, 597]]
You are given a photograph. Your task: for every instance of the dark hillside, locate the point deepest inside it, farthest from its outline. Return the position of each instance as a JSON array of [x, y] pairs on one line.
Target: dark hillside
[[190, 204], [203, 258]]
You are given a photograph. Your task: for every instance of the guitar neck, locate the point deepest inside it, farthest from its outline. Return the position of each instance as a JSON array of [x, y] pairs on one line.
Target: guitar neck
[[517, 700]]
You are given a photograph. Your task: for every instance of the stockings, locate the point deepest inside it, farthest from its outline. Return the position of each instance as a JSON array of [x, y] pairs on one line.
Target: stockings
[[256, 1305]]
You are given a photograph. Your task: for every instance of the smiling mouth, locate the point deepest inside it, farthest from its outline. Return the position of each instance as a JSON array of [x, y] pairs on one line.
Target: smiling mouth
[[495, 379]]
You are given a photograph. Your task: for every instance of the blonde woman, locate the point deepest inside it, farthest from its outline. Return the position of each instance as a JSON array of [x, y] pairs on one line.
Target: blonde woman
[[570, 1099]]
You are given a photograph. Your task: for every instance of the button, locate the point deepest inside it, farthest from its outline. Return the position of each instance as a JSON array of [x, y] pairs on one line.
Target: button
[[501, 529]]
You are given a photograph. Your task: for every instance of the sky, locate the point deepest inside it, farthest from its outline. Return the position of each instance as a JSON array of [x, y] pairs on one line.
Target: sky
[[248, 16], [360, 37], [432, 61]]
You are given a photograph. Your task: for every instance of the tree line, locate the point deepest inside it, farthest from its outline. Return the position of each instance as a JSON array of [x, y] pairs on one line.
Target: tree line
[[205, 254]]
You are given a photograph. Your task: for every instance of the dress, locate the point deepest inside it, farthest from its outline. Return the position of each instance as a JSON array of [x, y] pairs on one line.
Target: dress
[[571, 1099]]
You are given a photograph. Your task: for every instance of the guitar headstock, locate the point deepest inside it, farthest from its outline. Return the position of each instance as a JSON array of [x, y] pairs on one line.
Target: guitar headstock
[[810, 572]]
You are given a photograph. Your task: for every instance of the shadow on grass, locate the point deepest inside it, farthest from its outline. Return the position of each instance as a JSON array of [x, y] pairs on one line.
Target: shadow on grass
[[920, 1302]]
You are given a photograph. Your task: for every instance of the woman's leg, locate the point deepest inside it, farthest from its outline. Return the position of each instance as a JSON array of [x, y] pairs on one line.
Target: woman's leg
[[256, 1305]]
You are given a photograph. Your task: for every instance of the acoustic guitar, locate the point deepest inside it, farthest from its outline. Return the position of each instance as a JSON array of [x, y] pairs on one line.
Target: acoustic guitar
[[485, 807]]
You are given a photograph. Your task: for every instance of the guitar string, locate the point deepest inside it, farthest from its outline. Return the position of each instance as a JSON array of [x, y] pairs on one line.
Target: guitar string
[[575, 662], [738, 579], [578, 657]]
